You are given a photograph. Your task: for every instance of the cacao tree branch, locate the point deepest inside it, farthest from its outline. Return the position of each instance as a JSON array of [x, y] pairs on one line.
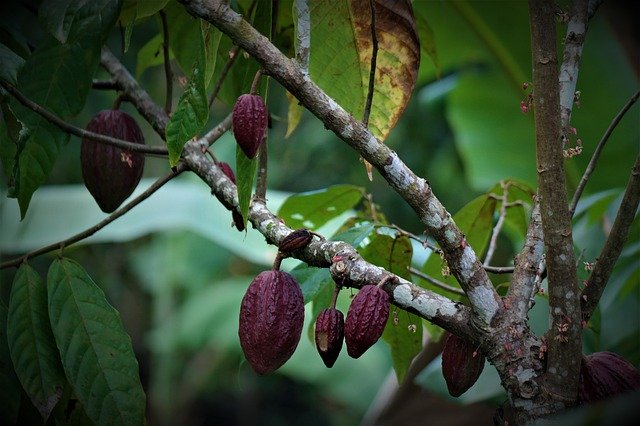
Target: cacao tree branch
[[565, 334], [461, 258], [147, 108], [303, 34], [77, 131], [596, 153], [60, 245], [603, 268]]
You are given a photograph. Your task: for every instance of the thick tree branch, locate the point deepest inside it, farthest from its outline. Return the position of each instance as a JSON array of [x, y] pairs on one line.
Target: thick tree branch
[[613, 246], [151, 111], [81, 133], [60, 245], [564, 342], [461, 258]]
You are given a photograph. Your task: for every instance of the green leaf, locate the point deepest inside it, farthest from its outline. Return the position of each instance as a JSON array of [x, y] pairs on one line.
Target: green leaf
[[312, 280], [10, 389], [11, 63], [70, 20], [475, 220], [313, 209], [190, 115], [393, 254], [31, 342], [150, 55], [404, 341], [246, 169], [10, 129], [96, 351], [427, 39]]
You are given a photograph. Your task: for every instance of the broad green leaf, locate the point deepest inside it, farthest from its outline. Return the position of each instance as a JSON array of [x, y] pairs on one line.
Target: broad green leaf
[[31, 342], [96, 351], [427, 39], [312, 280], [475, 220], [393, 254], [313, 209], [341, 51], [11, 63], [133, 10], [246, 169], [190, 115], [10, 389], [69, 20], [150, 55]]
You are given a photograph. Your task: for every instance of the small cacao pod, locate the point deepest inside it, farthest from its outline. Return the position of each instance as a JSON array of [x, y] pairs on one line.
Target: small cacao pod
[[461, 364], [111, 173], [249, 122], [271, 319], [366, 319], [329, 335], [297, 239], [227, 170], [605, 374]]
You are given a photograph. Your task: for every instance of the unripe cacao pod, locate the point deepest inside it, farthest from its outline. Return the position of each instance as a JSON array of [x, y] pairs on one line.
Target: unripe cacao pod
[[605, 374], [461, 364], [111, 173], [297, 239], [227, 170], [329, 335], [271, 319], [249, 122], [366, 319]]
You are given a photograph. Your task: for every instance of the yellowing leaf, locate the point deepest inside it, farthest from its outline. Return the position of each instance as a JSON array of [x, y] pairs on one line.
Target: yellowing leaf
[[294, 114]]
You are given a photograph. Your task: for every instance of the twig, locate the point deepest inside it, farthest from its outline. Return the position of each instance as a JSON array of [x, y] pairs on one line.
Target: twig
[[372, 69], [303, 34], [104, 85], [504, 199], [214, 134], [256, 81], [596, 153], [435, 282], [423, 241], [500, 269], [233, 55], [167, 62], [95, 228], [603, 268], [81, 133]]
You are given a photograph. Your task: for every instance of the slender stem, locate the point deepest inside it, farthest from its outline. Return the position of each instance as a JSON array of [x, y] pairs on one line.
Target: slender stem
[[233, 55], [81, 133], [372, 69], [425, 243], [95, 228], [167, 62], [256, 81], [436, 282], [493, 243], [596, 153], [104, 85], [610, 253], [565, 333], [261, 180], [334, 298]]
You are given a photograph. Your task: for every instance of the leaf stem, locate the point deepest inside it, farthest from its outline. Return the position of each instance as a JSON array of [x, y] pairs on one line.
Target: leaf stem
[[233, 55], [435, 282], [372, 69]]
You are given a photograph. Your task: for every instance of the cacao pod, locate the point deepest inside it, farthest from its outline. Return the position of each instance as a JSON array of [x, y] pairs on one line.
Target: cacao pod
[[461, 364], [366, 319], [271, 319], [605, 374], [111, 173], [249, 122], [329, 335], [297, 239], [227, 170]]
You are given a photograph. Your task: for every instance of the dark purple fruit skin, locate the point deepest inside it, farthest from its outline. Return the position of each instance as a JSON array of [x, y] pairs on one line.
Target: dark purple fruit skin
[[249, 121], [110, 173], [227, 170], [366, 319], [271, 319], [329, 335], [297, 239], [605, 374], [460, 367]]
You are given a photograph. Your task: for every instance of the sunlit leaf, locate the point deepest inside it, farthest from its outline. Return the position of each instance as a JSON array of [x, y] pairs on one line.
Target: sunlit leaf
[[313, 209], [31, 342], [96, 351], [294, 114]]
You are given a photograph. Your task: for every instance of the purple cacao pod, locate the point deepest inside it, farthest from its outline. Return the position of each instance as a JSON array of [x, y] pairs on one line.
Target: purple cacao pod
[[271, 319], [227, 170], [110, 173], [329, 335], [461, 364], [249, 121], [366, 319], [605, 374], [297, 239]]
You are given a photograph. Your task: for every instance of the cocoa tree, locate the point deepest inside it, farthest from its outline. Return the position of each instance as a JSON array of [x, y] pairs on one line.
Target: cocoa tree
[[354, 65]]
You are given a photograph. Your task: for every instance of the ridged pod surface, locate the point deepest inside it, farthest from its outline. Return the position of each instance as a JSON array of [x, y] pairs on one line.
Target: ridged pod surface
[[249, 122], [297, 239], [329, 335], [461, 364], [271, 320], [366, 319], [605, 374], [110, 173], [227, 170]]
